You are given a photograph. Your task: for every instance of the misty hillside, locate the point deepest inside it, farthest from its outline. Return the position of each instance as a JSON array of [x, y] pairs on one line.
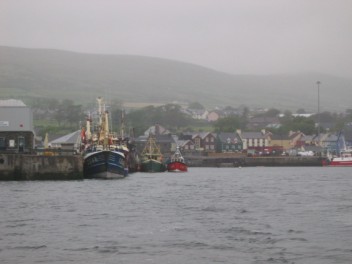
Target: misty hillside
[[83, 77]]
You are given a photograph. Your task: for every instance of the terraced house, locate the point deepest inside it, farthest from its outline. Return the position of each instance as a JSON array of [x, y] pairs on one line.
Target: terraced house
[[229, 142], [256, 141], [203, 141]]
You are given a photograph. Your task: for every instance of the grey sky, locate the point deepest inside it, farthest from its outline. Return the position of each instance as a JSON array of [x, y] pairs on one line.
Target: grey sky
[[236, 36]]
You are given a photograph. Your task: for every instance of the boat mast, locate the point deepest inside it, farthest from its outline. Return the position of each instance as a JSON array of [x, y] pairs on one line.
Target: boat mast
[[106, 129], [150, 147], [88, 132], [100, 112], [103, 123], [123, 124], [341, 143]]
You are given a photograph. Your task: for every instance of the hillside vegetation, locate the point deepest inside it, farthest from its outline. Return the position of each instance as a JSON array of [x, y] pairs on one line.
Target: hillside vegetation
[[26, 73]]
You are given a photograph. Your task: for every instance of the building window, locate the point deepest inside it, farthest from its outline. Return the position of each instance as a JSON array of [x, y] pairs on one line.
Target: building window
[[21, 144], [197, 143], [11, 143], [2, 143], [211, 139], [207, 139]]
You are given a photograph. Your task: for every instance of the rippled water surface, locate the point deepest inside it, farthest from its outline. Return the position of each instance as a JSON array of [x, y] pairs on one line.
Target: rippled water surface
[[208, 215]]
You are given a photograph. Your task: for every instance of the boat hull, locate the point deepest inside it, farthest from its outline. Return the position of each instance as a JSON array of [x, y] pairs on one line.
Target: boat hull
[[151, 165], [177, 167], [338, 163], [105, 165]]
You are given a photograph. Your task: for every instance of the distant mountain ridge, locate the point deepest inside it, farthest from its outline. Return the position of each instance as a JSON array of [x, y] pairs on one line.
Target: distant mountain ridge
[[82, 77]]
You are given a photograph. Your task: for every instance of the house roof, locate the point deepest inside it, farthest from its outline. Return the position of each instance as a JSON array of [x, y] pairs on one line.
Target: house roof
[[232, 137], [295, 134], [308, 137], [11, 102], [248, 135], [182, 143], [202, 135], [198, 111], [71, 138], [279, 137], [153, 130], [331, 137], [263, 121]]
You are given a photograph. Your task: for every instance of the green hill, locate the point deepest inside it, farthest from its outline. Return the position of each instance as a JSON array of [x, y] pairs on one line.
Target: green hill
[[83, 77]]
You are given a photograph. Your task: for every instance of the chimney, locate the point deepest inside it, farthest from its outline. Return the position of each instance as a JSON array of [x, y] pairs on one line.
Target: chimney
[[238, 131]]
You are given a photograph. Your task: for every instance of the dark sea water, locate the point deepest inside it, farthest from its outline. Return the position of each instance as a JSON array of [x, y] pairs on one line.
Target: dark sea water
[[208, 215]]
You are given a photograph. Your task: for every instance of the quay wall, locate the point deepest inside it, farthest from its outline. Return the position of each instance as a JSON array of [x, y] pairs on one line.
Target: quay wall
[[283, 161], [33, 167], [238, 161]]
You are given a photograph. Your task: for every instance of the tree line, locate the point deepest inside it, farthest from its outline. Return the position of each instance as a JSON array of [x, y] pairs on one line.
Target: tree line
[[52, 115]]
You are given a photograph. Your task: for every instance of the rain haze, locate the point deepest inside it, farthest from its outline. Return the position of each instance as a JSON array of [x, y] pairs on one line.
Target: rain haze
[[238, 37]]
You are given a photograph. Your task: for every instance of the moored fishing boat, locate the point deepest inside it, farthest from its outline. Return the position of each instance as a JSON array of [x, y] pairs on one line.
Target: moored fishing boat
[[151, 157], [104, 153], [105, 164], [343, 157], [344, 160], [177, 162]]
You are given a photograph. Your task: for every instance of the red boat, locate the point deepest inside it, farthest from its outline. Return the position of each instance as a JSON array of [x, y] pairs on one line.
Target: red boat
[[345, 159], [177, 162]]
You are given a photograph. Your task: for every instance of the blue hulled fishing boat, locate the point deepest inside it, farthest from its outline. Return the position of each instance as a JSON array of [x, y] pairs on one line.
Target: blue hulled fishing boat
[[104, 153]]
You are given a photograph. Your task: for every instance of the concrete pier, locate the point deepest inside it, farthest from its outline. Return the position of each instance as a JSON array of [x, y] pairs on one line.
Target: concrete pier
[[268, 161], [33, 167]]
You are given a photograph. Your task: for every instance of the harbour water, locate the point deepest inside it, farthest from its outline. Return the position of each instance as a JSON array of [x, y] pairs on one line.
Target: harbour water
[[208, 215]]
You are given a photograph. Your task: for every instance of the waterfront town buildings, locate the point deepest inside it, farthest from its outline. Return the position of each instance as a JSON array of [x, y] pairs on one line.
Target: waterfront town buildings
[[17, 136]]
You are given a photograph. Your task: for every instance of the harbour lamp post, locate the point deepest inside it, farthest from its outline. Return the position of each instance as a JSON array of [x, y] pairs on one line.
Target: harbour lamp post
[[318, 84]]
